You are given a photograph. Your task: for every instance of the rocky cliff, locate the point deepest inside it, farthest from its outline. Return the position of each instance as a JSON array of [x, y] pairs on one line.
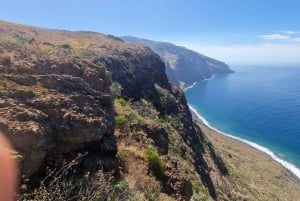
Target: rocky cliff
[[183, 66], [49, 104], [58, 100], [143, 78]]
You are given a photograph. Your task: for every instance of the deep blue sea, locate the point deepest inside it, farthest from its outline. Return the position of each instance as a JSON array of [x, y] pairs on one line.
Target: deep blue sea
[[260, 105]]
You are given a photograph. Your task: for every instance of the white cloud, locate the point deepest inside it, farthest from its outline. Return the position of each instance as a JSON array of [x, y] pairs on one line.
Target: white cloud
[[275, 37], [290, 32], [261, 54]]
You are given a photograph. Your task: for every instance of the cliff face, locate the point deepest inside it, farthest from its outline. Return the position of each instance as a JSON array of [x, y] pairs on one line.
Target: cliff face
[[183, 66], [142, 78], [56, 101], [138, 72]]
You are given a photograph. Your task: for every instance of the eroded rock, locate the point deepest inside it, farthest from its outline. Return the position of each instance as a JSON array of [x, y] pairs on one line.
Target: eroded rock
[[55, 107]]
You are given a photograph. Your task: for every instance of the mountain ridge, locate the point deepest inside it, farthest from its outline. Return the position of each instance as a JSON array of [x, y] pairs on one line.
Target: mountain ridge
[[183, 66]]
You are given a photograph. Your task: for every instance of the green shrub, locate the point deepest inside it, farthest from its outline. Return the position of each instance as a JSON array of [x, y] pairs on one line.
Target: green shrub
[[196, 186], [76, 56], [120, 101], [123, 157], [154, 162], [44, 90], [121, 120], [173, 120], [120, 191], [145, 109]]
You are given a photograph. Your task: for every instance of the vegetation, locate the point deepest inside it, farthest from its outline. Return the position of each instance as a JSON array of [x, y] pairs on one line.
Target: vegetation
[[120, 101], [63, 185], [66, 46], [172, 120], [116, 89], [123, 157], [76, 56], [21, 39], [120, 120], [146, 109], [44, 90], [155, 164]]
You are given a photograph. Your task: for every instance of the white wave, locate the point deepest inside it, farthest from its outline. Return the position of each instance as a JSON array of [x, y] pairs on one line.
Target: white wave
[[187, 88], [212, 77], [289, 166], [194, 84]]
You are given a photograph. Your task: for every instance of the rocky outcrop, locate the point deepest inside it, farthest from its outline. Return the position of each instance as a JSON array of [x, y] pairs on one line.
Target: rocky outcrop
[[54, 107], [137, 72], [159, 135], [177, 184], [183, 66]]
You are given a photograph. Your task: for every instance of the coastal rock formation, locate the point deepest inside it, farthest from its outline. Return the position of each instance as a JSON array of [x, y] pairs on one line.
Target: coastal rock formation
[[183, 66], [142, 76], [56, 101]]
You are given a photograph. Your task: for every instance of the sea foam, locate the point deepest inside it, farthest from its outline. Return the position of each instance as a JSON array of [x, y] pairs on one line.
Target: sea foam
[[195, 83], [190, 87], [289, 166]]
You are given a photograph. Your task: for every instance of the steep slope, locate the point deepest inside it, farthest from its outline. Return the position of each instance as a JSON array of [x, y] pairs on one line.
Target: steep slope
[[56, 102], [183, 66], [142, 79]]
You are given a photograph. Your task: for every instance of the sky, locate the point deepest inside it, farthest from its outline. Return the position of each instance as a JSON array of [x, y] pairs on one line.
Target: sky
[[238, 32]]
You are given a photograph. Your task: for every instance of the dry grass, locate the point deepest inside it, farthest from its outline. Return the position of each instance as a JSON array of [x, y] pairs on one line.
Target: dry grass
[[253, 175], [31, 44], [65, 185]]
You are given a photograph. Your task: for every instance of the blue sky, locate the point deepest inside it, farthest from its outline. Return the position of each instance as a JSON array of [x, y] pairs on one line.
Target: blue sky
[[235, 31]]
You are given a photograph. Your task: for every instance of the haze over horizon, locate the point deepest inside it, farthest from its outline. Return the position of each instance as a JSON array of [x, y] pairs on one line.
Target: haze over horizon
[[249, 32]]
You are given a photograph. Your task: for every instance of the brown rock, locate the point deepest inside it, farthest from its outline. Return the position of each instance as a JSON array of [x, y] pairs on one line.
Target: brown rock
[[176, 184], [159, 135], [55, 107]]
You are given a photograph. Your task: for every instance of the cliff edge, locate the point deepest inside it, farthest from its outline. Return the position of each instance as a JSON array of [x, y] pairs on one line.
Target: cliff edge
[[183, 66]]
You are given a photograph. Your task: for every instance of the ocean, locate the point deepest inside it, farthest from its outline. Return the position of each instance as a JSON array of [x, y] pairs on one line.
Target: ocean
[[257, 105]]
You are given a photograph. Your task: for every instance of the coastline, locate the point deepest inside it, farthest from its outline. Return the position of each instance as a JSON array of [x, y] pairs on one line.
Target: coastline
[[251, 170], [194, 84], [287, 165]]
